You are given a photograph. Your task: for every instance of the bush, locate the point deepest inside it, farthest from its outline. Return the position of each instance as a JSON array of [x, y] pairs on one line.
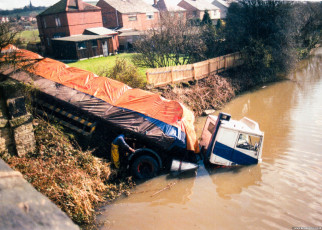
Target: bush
[[125, 72]]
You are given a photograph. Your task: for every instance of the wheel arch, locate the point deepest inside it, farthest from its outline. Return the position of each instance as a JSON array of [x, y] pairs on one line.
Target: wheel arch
[[145, 151]]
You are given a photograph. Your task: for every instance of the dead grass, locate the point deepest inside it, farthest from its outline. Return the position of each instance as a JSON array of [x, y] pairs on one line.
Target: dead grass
[[74, 180]]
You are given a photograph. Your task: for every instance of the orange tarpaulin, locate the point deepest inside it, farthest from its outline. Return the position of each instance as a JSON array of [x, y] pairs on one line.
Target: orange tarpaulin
[[118, 94]]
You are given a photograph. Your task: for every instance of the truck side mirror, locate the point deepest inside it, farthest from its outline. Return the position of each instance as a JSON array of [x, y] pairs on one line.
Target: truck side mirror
[[224, 117]]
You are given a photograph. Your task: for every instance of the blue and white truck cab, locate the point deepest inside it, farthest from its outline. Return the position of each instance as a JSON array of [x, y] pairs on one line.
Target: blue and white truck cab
[[229, 142]]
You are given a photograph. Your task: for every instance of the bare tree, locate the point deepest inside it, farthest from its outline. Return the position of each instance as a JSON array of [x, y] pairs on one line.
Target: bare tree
[[173, 41], [10, 58], [7, 35]]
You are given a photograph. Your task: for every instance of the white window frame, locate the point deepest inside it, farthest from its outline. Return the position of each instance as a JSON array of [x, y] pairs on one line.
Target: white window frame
[[149, 16], [57, 20], [133, 17]]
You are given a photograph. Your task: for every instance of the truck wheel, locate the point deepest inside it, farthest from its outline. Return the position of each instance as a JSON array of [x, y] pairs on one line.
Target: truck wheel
[[144, 167]]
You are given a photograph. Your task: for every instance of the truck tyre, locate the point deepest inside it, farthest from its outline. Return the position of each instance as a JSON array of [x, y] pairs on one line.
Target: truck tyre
[[144, 167]]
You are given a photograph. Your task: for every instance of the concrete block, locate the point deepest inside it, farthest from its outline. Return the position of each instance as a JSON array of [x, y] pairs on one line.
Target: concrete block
[[23, 207]]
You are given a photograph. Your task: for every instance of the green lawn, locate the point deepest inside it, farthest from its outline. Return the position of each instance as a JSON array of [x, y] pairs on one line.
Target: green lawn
[[95, 64], [30, 35], [27, 36]]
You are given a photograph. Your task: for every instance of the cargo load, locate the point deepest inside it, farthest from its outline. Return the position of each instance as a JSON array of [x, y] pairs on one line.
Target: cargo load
[[166, 122]]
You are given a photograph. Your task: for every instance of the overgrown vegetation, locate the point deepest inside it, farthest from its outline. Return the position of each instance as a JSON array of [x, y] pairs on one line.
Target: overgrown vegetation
[[8, 35], [124, 71], [268, 34], [74, 180], [271, 36], [211, 92]]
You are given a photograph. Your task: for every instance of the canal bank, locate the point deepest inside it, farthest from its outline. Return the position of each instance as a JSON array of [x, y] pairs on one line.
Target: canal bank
[[280, 193]]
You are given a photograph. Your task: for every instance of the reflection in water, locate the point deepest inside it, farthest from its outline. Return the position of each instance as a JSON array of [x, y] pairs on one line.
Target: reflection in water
[[231, 181], [282, 192], [164, 190]]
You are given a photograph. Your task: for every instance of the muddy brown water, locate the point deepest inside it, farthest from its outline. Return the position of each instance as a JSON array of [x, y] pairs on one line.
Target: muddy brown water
[[282, 192]]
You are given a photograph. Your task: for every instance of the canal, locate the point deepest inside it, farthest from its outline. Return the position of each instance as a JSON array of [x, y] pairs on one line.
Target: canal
[[282, 192]]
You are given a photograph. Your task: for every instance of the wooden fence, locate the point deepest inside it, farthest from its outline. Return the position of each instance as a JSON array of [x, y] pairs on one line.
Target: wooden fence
[[196, 71]]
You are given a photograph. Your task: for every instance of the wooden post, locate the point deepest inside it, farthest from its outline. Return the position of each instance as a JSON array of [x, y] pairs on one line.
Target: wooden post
[[209, 67], [172, 75], [193, 72]]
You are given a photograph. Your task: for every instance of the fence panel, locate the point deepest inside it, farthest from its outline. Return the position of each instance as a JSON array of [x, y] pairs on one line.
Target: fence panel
[[196, 71], [159, 76], [182, 73]]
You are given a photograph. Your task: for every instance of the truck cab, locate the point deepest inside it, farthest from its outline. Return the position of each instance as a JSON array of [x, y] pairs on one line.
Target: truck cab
[[229, 142]]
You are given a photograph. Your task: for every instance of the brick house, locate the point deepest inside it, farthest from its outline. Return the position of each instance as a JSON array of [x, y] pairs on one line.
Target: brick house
[[170, 7], [196, 9], [129, 17], [69, 18], [128, 14], [223, 6]]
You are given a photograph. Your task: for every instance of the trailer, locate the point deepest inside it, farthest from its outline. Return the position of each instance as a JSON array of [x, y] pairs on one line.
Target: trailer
[[161, 130], [102, 108]]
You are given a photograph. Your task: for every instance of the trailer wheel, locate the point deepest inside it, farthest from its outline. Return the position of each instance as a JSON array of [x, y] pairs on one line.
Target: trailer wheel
[[144, 167]]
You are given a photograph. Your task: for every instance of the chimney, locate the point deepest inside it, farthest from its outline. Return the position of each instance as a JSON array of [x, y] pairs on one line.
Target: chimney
[[155, 2], [79, 5]]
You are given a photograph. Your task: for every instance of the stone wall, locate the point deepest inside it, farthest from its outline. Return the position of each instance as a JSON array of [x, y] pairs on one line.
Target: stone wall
[[6, 135], [16, 129]]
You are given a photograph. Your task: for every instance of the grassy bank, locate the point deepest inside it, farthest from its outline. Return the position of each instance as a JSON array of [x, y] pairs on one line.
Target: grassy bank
[[73, 179]]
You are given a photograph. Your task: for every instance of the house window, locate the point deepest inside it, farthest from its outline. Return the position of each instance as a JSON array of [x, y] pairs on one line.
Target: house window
[[57, 20], [44, 22], [195, 13], [94, 43], [149, 16], [81, 45], [133, 17]]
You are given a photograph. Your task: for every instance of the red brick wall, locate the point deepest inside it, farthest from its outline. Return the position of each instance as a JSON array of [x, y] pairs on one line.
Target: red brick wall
[[190, 10], [115, 39], [111, 18], [175, 14], [72, 23], [142, 22], [48, 28], [79, 21]]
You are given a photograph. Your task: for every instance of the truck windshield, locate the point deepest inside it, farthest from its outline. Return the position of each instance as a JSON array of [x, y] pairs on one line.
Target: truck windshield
[[249, 142]]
